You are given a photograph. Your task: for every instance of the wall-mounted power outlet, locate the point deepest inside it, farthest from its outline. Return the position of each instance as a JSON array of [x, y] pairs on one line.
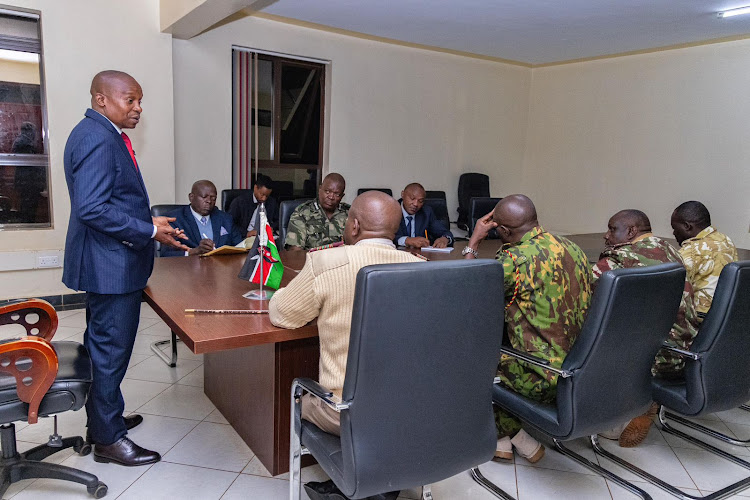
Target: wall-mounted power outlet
[[48, 261]]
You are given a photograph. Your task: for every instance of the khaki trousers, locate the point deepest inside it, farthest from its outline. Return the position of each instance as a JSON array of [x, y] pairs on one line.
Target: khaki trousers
[[317, 412]]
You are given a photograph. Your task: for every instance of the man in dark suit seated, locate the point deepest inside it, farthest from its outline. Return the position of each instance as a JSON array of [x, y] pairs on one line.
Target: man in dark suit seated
[[244, 208], [419, 226], [206, 226]]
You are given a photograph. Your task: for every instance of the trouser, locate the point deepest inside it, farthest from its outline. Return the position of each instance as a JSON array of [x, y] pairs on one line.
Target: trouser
[[317, 412], [523, 380], [111, 325]]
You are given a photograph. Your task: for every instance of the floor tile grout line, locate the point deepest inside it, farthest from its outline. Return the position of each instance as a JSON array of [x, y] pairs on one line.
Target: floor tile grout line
[[231, 484], [163, 460], [683, 466], [134, 481]]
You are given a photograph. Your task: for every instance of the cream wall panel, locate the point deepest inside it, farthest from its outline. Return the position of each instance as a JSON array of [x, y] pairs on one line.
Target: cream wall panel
[[647, 132]]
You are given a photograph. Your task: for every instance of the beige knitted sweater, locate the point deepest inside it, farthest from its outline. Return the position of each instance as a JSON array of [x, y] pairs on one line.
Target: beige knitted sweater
[[324, 288]]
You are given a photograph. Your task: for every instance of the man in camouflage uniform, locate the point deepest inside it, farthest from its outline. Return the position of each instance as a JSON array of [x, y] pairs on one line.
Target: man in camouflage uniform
[[704, 250], [547, 294], [630, 243], [321, 221]]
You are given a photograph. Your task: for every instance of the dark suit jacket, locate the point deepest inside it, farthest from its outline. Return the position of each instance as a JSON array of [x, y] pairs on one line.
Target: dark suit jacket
[[241, 209], [219, 220], [108, 249], [425, 220]]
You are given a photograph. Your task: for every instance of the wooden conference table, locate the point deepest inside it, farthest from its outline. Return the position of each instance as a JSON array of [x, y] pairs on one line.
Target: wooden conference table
[[249, 363]]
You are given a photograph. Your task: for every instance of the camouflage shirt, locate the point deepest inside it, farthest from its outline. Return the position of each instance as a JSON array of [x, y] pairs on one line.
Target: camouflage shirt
[[309, 226], [650, 250], [546, 313], [705, 256]]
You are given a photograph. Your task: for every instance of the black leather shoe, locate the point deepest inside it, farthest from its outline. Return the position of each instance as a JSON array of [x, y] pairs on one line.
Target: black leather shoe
[[125, 452], [130, 422]]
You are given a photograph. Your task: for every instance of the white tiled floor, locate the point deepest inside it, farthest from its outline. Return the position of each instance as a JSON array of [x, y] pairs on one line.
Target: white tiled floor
[[205, 459]]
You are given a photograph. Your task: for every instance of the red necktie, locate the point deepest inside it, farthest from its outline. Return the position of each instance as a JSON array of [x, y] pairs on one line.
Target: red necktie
[[129, 145]]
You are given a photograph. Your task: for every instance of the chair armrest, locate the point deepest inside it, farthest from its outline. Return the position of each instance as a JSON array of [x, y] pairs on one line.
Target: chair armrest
[[527, 358], [17, 313], [695, 356], [34, 364], [301, 385]]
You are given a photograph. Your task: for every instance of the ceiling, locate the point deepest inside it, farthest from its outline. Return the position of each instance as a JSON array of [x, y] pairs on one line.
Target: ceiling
[[528, 31]]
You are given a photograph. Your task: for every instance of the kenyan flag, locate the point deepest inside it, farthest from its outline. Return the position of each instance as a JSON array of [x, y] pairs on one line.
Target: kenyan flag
[[264, 248]]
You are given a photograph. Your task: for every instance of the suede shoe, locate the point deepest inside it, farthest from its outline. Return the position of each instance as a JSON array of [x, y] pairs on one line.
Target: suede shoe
[[125, 452], [130, 421], [528, 447], [504, 449]]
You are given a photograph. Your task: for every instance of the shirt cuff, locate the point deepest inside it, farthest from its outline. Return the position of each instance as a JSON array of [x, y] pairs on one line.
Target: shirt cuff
[[187, 254], [402, 241], [154, 232]]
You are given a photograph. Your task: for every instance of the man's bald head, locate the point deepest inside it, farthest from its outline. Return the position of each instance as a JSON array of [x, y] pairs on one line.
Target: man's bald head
[[117, 96], [203, 197], [625, 226], [515, 216], [373, 214]]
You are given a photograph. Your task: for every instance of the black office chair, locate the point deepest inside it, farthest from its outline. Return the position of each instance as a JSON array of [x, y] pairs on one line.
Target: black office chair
[[479, 208], [435, 194], [171, 361], [39, 378], [228, 196], [440, 207], [285, 211], [605, 380], [282, 191], [416, 404], [382, 190], [469, 186], [716, 377]]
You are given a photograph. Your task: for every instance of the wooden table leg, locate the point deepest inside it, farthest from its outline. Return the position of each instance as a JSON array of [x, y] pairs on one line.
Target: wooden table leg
[[251, 388]]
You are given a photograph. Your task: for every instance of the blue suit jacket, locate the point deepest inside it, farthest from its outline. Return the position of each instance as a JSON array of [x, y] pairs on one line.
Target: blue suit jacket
[[425, 220], [108, 249], [185, 221]]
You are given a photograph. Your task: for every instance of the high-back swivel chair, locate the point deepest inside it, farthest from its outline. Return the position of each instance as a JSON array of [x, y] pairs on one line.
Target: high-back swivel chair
[[479, 207], [417, 400], [285, 212], [41, 378], [228, 196], [470, 185], [440, 207], [716, 376], [605, 380]]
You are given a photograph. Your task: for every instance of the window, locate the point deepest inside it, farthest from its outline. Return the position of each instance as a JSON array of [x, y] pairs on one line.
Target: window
[[24, 161], [288, 136]]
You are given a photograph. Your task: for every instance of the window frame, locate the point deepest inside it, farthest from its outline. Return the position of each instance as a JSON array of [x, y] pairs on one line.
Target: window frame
[[21, 44]]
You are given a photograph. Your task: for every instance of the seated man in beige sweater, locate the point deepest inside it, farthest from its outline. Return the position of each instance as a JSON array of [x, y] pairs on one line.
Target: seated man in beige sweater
[[324, 288]]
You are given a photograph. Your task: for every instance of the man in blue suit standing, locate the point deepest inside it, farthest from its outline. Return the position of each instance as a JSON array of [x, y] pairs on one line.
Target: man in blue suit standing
[[205, 226], [109, 254], [419, 226]]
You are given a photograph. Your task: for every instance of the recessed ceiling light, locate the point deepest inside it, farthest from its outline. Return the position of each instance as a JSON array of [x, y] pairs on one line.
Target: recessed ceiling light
[[733, 12]]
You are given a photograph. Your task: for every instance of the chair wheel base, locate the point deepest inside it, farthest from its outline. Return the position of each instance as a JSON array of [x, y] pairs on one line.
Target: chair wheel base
[[98, 491]]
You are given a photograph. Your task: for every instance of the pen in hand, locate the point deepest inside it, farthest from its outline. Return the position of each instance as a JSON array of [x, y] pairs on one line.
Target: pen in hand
[[206, 237]]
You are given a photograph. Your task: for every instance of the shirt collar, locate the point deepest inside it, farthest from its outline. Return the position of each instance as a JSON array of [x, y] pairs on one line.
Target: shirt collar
[[198, 216], [255, 200], [634, 240], [405, 213], [119, 130], [376, 241], [533, 233], [703, 234]]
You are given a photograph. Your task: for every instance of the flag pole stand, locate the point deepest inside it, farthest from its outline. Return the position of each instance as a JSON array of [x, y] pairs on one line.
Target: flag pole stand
[[260, 294]]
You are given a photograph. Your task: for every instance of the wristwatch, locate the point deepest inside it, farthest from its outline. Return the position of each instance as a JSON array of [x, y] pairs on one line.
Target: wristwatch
[[470, 250]]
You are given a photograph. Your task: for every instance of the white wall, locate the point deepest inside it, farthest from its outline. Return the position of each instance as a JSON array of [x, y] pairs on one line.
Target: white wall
[[81, 38], [647, 131], [396, 114]]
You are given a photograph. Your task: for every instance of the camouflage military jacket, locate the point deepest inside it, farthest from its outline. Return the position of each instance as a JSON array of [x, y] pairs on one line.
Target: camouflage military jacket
[[309, 227], [548, 289], [649, 250], [705, 256]]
